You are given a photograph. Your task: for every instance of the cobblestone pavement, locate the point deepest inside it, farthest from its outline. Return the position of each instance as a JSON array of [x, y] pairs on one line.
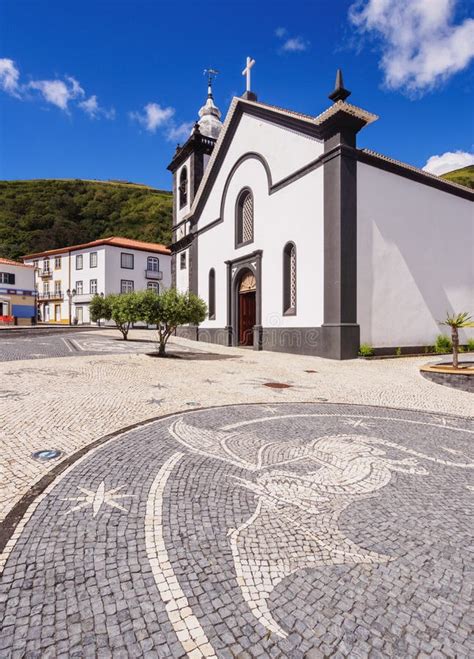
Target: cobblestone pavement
[[285, 530], [67, 403], [66, 345]]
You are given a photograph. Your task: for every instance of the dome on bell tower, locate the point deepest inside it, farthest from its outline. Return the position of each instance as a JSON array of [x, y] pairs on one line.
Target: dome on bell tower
[[210, 123]]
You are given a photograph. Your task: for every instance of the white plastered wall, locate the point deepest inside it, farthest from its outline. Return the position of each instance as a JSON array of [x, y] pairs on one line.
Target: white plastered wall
[[415, 259], [294, 213]]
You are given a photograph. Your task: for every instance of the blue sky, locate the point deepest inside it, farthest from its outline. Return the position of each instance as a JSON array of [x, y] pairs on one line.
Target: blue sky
[[76, 77]]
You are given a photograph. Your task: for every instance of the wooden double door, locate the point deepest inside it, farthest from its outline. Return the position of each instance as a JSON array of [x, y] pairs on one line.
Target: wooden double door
[[247, 317]]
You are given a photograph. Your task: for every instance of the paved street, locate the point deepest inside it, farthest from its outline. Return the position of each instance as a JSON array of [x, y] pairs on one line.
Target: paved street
[[313, 519], [290, 530], [68, 344]]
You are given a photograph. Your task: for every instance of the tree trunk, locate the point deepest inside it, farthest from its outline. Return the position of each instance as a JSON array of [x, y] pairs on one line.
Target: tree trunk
[[162, 348], [455, 340]]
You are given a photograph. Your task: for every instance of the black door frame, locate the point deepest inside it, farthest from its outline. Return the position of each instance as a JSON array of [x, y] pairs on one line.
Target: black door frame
[[235, 268]]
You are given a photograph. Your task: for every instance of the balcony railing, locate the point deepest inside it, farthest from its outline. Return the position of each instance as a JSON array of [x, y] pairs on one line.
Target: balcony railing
[[153, 274], [51, 295], [45, 273]]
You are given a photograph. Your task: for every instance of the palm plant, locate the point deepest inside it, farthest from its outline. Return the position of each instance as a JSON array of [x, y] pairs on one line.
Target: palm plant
[[456, 322]]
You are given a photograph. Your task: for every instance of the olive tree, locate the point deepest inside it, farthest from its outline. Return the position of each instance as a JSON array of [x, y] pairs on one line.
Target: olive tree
[[169, 310]]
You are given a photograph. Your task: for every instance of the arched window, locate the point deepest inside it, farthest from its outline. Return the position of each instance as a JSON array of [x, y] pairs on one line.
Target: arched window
[[212, 294], [183, 187], [244, 218], [289, 279], [153, 264]]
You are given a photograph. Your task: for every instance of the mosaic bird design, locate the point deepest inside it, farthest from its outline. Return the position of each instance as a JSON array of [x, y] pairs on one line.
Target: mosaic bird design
[[295, 524]]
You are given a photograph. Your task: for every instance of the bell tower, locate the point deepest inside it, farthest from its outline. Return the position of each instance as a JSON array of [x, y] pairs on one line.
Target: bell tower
[[187, 166]]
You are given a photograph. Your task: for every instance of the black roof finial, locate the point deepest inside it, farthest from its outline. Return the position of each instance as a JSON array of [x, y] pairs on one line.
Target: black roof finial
[[339, 93]]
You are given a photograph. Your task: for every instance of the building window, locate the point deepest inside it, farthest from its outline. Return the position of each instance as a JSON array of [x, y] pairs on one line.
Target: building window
[[79, 261], [36, 263], [289, 279], [212, 294], [126, 286], [57, 262], [183, 187], [244, 218], [46, 265], [7, 278], [153, 264], [182, 261], [126, 261], [153, 286], [93, 287], [46, 288], [57, 288], [93, 260], [79, 287]]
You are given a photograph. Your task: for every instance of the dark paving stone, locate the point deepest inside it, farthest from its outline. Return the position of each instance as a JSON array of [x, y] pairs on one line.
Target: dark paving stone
[[321, 530]]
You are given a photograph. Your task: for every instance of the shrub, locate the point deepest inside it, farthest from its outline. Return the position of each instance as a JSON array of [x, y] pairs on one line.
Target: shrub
[[366, 350], [443, 344], [398, 352], [470, 345]]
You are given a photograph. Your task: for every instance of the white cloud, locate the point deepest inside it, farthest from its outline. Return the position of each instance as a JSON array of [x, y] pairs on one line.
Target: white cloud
[[291, 44], [180, 132], [295, 45], [420, 44], [9, 77], [448, 161], [92, 108], [153, 116], [57, 92]]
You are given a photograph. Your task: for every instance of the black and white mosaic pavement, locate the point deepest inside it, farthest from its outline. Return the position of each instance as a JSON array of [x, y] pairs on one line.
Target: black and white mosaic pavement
[[253, 531], [79, 344]]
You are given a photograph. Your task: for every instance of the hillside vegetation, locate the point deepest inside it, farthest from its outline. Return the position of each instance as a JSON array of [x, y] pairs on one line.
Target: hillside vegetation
[[44, 214], [463, 176]]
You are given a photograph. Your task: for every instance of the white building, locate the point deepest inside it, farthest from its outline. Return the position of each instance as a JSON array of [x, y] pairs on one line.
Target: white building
[[17, 293], [68, 278], [301, 242]]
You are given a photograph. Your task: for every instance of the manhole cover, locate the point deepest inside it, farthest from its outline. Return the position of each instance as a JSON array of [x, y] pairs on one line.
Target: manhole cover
[[46, 454], [277, 385]]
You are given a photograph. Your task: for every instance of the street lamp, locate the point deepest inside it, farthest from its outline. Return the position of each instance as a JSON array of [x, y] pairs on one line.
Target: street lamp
[[70, 294]]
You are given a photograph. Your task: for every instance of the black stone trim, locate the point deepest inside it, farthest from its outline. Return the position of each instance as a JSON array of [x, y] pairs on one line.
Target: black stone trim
[[340, 331], [235, 268], [196, 143], [286, 279], [238, 216], [413, 175], [291, 122], [272, 187]]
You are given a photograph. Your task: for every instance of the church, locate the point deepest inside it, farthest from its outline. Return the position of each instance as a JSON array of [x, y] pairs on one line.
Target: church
[[301, 242]]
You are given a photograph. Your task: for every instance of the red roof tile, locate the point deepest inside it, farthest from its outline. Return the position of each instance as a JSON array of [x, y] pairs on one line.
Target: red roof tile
[[115, 241], [10, 262]]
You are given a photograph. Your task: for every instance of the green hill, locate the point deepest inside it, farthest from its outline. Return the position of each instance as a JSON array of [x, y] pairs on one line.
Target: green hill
[[463, 176], [44, 214]]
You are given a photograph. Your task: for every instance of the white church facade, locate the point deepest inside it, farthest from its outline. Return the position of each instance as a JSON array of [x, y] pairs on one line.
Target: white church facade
[[301, 242]]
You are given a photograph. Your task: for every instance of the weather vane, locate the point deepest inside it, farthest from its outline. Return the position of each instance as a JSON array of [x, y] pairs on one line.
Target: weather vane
[[211, 74]]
